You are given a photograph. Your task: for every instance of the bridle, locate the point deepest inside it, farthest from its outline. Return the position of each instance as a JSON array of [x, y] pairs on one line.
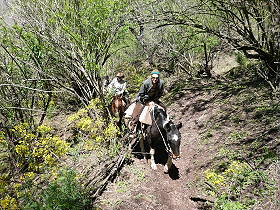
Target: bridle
[[166, 144]]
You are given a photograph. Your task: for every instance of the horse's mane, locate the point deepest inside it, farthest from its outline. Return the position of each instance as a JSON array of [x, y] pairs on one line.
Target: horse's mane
[[160, 110]]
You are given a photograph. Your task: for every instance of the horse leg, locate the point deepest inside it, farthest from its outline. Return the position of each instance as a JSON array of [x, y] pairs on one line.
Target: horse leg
[[168, 164], [142, 146], [153, 164], [120, 120], [114, 111]]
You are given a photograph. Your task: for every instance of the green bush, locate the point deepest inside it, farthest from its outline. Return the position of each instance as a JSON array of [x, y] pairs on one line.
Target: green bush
[[223, 203], [241, 59], [64, 193], [230, 185], [26, 156]]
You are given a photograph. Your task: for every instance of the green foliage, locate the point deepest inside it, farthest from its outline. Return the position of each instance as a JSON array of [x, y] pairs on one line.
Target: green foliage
[[228, 185], [138, 172], [122, 186], [37, 151], [178, 87], [63, 193], [241, 59], [26, 155], [136, 77], [64, 47], [207, 136], [224, 203], [9, 203], [231, 15], [270, 111], [23, 53], [236, 136], [96, 129]]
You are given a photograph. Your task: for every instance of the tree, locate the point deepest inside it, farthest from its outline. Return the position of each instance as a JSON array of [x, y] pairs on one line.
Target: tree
[[56, 47], [79, 35], [250, 26], [167, 46]]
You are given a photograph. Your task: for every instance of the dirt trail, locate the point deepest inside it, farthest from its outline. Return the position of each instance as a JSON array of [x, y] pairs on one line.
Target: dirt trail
[[141, 188], [157, 190]]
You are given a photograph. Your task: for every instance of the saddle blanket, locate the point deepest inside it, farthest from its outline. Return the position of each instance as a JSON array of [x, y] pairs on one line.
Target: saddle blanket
[[145, 116]]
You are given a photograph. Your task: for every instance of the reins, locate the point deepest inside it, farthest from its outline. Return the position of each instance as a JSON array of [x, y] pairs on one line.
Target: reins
[[167, 146]]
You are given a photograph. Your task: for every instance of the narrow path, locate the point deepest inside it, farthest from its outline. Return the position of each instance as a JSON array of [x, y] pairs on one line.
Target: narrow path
[[159, 191]]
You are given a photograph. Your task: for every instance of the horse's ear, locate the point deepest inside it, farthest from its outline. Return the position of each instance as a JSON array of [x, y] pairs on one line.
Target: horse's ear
[[166, 126], [179, 125]]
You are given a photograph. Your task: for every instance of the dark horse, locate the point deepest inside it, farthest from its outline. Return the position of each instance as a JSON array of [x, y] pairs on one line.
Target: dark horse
[[162, 136], [118, 108]]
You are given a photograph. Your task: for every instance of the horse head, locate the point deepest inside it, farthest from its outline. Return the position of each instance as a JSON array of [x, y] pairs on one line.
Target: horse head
[[173, 138], [173, 135], [118, 104]]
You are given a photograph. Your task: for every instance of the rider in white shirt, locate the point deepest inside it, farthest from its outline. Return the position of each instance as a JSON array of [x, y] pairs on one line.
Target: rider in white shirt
[[118, 86]]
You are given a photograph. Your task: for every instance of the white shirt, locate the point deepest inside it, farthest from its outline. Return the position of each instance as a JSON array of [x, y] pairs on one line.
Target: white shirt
[[117, 87]]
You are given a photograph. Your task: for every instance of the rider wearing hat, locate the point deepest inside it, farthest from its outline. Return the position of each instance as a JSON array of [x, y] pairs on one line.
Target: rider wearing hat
[[150, 92], [152, 89], [118, 86]]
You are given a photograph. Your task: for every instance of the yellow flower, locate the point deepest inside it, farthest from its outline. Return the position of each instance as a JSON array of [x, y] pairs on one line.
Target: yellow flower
[[49, 159], [9, 203], [30, 175], [44, 129], [214, 178], [17, 185], [22, 149]]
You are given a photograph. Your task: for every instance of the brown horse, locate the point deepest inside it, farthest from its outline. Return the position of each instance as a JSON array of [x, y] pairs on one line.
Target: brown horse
[[118, 108]]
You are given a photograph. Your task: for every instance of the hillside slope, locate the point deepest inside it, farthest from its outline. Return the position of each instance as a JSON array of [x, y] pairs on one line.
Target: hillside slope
[[223, 123]]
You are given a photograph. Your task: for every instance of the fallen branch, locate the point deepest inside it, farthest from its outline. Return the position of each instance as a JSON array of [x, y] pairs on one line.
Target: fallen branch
[[98, 180], [198, 199]]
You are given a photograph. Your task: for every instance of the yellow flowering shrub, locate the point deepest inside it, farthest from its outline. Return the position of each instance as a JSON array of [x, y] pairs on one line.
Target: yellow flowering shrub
[[34, 153], [230, 177], [2, 136], [96, 129], [215, 178], [236, 168], [44, 129], [227, 186], [9, 203], [3, 183], [38, 150]]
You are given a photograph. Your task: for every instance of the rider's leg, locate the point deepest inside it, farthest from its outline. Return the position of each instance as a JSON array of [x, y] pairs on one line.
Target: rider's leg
[[135, 117]]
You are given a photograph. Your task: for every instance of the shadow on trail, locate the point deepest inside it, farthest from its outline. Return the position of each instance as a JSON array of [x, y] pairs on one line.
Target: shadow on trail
[[161, 157], [174, 172]]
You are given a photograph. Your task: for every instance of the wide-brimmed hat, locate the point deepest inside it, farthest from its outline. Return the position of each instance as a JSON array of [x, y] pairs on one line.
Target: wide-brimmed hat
[[120, 74]]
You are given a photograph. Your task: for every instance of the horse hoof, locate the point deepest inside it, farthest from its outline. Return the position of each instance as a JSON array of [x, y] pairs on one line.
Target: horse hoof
[[166, 170], [154, 167]]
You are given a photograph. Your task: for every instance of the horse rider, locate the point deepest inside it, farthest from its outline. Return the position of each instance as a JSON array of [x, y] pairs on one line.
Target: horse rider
[[150, 92], [118, 87]]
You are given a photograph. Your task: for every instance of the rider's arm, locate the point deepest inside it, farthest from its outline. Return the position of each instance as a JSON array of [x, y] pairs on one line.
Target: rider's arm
[[111, 86], [124, 90], [142, 93]]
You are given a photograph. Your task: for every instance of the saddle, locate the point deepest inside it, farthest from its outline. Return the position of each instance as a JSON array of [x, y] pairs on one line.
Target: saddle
[[145, 116]]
